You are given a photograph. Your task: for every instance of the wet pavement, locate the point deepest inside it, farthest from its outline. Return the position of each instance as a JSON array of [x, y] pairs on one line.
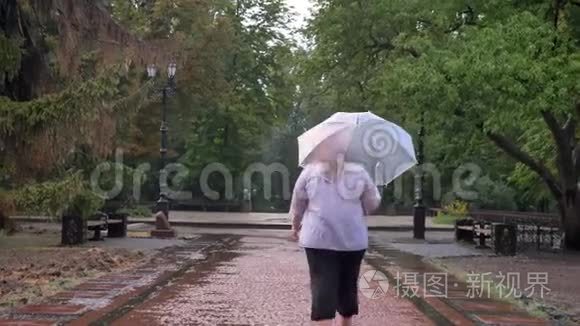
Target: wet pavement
[[259, 281], [449, 300], [261, 278]]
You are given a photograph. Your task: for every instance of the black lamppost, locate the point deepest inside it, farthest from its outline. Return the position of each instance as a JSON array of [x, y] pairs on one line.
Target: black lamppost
[[163, 202], [419, 208]]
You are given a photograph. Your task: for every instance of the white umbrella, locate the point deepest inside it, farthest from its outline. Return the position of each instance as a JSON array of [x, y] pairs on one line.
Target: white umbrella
[[383, 148]]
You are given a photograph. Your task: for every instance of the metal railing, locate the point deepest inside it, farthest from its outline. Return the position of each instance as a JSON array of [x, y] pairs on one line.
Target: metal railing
[[536, 231], [517, 218]]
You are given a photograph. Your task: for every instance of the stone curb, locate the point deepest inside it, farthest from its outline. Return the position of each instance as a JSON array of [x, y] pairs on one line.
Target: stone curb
[[455, 311]]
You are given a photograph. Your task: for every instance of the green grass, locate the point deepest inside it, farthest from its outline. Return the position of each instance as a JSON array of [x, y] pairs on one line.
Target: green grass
[[137, 211], [444, 219]]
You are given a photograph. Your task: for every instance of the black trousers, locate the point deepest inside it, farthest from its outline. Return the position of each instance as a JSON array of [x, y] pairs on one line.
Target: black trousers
[[334, 282]]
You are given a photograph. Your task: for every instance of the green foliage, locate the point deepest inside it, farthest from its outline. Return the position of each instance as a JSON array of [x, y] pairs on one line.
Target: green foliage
[[492, 66], [457, 208], [75, 103], [54, 198], [252, 91], [131, 16], [84, 204], [88, 66], [445, 219], [494, 195], [235, 83], [10, 57], [531, 189], [137, 211], [86, 114]]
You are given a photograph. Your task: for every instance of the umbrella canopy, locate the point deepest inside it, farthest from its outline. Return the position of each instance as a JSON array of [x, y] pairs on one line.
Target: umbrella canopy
[[382, 147]]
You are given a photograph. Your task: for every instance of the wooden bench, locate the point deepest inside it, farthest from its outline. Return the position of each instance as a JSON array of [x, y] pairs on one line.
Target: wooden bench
[[114, 224], [469, 230]]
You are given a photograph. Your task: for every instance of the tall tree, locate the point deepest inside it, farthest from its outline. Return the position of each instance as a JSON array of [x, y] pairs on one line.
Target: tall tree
[[233, 78], [505, 71]]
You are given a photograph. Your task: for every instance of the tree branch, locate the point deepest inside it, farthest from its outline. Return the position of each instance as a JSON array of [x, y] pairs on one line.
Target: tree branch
[[514, 151], [413, 52], [569, 125], [380, 46], [556, 12], [551, 122]]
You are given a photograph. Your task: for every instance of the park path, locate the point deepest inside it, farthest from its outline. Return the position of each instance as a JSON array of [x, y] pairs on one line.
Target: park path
[[257, 279], [261, 281]]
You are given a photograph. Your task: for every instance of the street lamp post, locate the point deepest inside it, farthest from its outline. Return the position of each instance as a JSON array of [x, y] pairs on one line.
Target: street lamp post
[[419, 208], [163, 202]]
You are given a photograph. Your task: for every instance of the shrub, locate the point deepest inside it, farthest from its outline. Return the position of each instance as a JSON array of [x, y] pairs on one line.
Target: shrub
[[48, 198], [54, 198], [452, 212], [457, 208], [445, 219], [84, 204], [494, 195], [137, 211]]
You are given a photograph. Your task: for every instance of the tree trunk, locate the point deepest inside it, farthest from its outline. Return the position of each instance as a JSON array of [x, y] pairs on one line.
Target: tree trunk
[[3, 220], [563, 186], [6, 224], [6, 209], [570, 212]]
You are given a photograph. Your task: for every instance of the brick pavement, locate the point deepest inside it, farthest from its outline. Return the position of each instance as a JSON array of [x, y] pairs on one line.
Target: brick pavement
[[457, 306], [252, 280], [263, 282]]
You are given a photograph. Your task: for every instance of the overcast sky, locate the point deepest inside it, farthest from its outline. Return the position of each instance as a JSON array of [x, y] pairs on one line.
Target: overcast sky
[[302, 9], [300, 6]]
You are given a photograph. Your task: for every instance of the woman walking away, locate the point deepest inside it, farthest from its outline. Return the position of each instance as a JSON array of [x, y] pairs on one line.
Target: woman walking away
[[332, 197], [330, 201]]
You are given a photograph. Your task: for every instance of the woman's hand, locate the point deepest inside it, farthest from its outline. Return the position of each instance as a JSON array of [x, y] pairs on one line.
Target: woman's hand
[[294, 234]]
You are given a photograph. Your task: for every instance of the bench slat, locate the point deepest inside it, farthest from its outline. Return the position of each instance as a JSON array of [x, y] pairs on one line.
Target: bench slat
[[96, 223]]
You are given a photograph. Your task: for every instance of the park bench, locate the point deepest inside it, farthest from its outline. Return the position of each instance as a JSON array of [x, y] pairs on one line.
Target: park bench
[[510, 231], [114, 224], [474, 231]]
